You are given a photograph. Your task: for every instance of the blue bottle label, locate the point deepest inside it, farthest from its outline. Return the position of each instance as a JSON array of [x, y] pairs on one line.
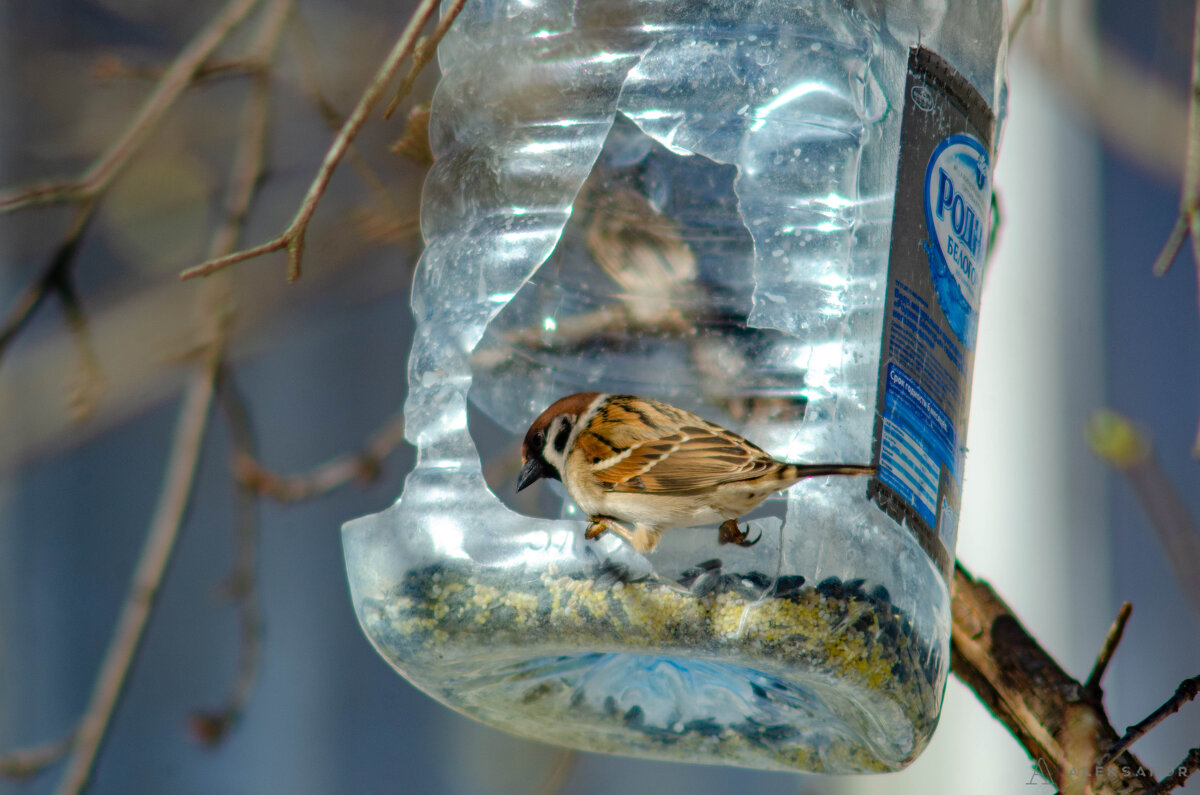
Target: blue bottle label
[[935, 275]]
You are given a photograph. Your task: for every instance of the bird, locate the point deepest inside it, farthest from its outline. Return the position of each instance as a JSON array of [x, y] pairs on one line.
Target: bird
[[629, 460]]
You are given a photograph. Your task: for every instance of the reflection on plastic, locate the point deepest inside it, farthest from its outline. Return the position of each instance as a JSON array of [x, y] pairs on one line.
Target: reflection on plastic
[[692, 203]]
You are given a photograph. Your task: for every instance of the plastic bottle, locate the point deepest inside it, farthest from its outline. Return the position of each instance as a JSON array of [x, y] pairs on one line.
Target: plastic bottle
[[694, 202]]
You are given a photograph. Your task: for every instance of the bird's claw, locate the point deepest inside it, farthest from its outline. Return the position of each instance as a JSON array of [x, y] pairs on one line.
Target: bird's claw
[[732, 534], [597, 528]]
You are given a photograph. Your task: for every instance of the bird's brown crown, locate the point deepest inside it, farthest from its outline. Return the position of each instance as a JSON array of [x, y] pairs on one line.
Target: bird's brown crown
[[573, 405]]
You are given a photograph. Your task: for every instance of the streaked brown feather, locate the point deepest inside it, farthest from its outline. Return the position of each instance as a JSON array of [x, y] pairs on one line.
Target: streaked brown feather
[[671, 451]]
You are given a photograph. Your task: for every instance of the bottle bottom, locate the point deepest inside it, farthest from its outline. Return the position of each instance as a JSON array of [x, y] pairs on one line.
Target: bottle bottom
[[716, 668]]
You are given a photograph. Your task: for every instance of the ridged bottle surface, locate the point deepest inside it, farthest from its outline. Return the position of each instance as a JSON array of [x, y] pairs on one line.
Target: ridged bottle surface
[[688, 201]]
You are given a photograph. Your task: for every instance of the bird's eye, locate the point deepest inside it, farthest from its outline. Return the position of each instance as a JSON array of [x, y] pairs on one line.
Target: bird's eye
[[538, 439]]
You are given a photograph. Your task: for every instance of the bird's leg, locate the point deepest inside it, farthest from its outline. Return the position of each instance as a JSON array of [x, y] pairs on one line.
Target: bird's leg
[[645, 538], [732, 534], [621, 530], [642, 537], [600, 524]]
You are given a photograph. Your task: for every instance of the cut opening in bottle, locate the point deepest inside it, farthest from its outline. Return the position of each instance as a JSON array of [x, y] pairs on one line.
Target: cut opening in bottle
[[689, 203]]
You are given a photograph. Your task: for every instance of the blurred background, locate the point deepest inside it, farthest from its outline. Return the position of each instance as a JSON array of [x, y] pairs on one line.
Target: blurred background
[[1089, 172]]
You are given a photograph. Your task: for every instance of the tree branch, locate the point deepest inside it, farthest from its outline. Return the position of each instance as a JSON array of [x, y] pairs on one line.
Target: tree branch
[[165, 526], [25, 762], [308, 61], [143, 591], [56, 277], [1111, 640], [109, 67], [1060, 723], [325, 478], [1135, 110], [423, 54], [1118, 442], [1188, 221], [1186, 691], [174, 81], [1181, 773], [212, 726], [292, 238], [47, 281], [559, 769], [1018, 19]]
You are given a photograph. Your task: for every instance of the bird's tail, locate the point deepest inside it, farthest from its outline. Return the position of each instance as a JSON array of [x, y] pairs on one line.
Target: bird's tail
[[795, 472]]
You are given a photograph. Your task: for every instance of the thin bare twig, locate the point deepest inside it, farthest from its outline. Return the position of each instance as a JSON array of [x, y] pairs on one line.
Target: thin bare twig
[[414, 143], [173, 83], [1188, 221], [247, 167], [1135, 110], [57, 278], [1018, 19], [422, 55], [1181, 773], [173, 500], [143, 591], [109, 67], [1123, 446], [325, 478], [1111, 640], [212, 726], [556, 777], [1187, 690], [90, 379], [53, 274], [25, 762], [292, 238], [310, 78]]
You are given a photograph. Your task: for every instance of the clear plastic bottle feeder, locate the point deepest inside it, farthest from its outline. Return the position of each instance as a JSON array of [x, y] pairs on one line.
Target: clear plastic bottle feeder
[[774, 215]]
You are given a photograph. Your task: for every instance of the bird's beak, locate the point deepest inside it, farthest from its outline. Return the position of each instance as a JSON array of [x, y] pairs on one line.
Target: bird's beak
[[533, 470]]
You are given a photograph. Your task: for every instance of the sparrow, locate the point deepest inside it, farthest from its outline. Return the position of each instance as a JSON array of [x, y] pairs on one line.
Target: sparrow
[[628, 460]]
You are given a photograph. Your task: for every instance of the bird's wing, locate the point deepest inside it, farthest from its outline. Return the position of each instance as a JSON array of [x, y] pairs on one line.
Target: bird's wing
[[689, 457]]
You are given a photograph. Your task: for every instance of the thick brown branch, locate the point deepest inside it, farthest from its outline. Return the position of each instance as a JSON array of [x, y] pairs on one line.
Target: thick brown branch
[[1062, 727], [184, 458]]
